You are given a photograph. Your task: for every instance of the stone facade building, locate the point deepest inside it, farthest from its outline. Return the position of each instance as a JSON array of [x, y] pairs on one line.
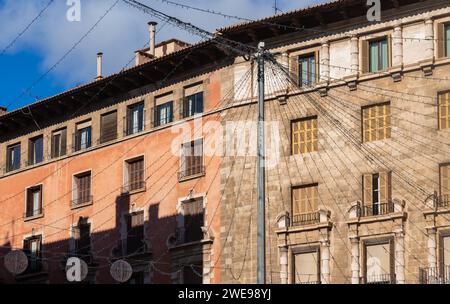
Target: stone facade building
[[156, 165]]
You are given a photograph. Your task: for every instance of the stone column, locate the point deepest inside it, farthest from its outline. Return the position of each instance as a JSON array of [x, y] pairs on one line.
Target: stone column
[[284, 265], [355, 259], [397, 46], [429, 39], [354, 55], [324, 68], [400, 257], [432, 245], [325, 261]]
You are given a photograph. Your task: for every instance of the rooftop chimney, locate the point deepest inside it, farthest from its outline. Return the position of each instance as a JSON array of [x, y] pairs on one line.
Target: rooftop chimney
[[99, 66], [3, 111], [152, 30]]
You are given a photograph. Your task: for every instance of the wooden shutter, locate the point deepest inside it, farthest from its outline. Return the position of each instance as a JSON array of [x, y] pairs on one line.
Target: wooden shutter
[[367, 189], [392, 260], [63, 142], [440, 36], [31, 148], [389, 50], [441, 254], [198, 156], [365, 56], [29, 210], [294, 71], [8, 159], [385, 187], [108, 126], [317, 65]]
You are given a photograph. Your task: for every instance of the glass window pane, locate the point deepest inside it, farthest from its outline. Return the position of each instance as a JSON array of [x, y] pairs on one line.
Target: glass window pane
[[447, 40]]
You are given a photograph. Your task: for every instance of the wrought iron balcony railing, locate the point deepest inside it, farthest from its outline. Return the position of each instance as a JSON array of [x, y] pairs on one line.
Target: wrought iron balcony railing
[[82, 200], [33, 213], [434, 275], [386, 278], [305, 219], [376, 209]]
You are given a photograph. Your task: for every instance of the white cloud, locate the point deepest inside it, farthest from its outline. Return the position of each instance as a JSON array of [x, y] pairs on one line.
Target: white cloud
[[119, 34]]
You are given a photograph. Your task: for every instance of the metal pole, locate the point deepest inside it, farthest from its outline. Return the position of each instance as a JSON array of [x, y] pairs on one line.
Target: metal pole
[[261, 250]]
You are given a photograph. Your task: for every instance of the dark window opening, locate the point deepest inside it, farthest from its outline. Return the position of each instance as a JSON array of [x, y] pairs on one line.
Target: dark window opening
[[194, 220], [164, 114], [32, 248], [134, 121], [13, 158], [193, 105], [135, 233], [59, 143], [34, 202], [36, 150]]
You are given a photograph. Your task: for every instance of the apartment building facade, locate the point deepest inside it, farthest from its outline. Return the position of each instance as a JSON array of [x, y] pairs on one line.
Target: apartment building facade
[[357, 186], [359, 193], [115, 170]]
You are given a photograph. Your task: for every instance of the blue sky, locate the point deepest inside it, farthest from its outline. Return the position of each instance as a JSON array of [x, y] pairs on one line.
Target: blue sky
[[118, 35]]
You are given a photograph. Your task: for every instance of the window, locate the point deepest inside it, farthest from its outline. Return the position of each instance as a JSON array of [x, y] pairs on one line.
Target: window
[[444, 110], [34, 202], [32, 248], [59, 143], [444, 185], [307, 267], [134, 175], [447, 40], [192, 159], [377, 194], [378, 55], [193, 220], [13, 158], [376, 122], [444, 261], [443, 40], [82, 238], [83, 136], [378, 263], [82, 189], [304, 136], [108, 127], [305, 205], [308, 70], [135, 233], [135, 119], [193, 104], [164, 114], [35, 150]]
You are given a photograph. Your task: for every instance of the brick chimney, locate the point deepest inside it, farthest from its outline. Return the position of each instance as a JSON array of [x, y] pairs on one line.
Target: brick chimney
[[3, 111]]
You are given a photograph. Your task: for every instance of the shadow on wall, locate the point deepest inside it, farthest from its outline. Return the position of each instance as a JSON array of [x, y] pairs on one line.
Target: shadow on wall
[[140, 237]]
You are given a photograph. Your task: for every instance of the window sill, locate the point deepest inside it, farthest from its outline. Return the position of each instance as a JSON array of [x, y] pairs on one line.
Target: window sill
[[34, 217], [79, 206], [190, 177]]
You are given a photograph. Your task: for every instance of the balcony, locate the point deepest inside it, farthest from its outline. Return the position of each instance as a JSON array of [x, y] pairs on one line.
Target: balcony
[[82, 201], [382, 279], [134, 187], [193, 172], [107, 136], [434, 275], [443, 201], [376, 209], [305, 219]]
